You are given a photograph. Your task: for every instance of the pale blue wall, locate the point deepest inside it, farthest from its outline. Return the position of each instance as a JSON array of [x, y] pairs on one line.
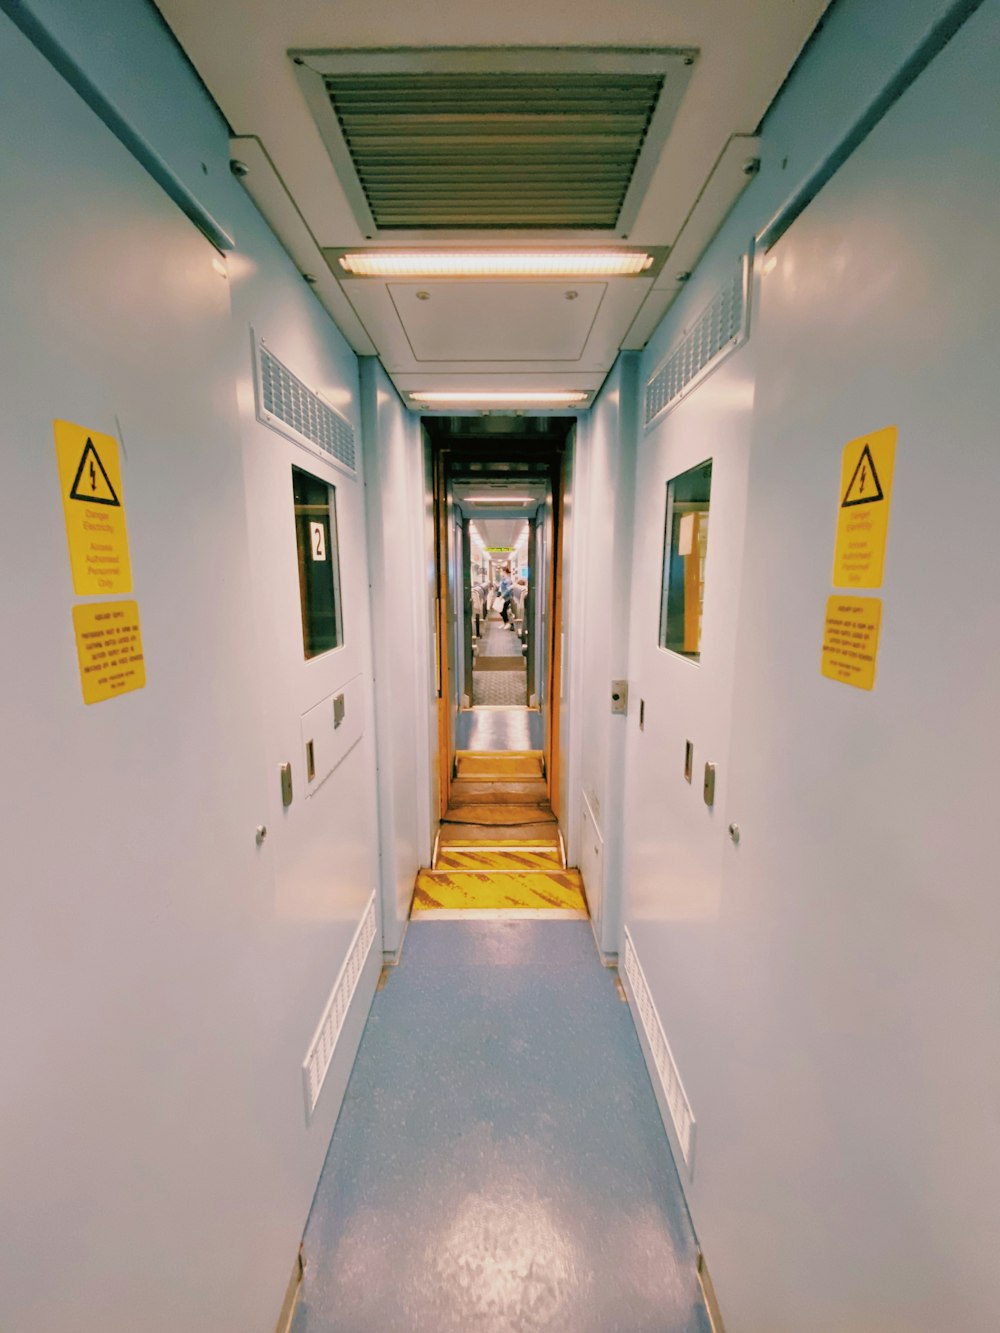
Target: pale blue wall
[[124, 48], [855, 53], [166, 974], [823, 985]]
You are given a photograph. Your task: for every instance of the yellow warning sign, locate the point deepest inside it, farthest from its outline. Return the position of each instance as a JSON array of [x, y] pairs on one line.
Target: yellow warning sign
[[863, 517], [91, 483], [109, 648], [850, 639]]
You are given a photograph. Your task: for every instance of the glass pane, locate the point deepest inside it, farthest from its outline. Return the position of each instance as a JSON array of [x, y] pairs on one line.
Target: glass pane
[[319, 563], [684, 548]]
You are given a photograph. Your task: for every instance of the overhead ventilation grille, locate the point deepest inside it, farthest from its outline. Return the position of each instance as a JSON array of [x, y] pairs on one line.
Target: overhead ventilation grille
[[670, 1080], [719, 329], [324, 1042], [285, 403], [479, 151], [476, 139]]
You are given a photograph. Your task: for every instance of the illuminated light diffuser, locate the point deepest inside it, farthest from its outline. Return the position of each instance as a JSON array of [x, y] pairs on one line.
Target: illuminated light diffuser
[[496, 264], [552, 399]]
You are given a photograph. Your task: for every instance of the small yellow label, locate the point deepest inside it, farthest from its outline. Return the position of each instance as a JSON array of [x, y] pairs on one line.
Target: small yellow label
[[850, 639], [91, 483], [863, 517], [109, 648]]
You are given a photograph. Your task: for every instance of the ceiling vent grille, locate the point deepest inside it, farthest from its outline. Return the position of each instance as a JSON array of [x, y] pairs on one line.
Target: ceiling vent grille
[[289, 406], [518, 150], [497, 140], [720, 328]]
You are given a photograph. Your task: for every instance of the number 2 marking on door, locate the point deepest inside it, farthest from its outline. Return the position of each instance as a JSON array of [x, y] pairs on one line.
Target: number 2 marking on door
[[317, 535]]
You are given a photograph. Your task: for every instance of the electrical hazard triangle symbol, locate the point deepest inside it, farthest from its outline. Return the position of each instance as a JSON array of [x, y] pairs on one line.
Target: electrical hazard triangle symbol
[[92, 483], [864, 487]]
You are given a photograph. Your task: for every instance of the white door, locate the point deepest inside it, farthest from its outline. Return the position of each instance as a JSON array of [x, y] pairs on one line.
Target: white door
[[681, 683], [307, 541]]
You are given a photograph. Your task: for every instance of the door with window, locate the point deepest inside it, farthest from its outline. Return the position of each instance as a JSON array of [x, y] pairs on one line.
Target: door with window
[[690, 507], [305, 515]]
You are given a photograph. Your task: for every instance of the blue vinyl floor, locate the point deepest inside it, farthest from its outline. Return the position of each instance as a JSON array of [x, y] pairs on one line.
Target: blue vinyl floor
[[499, 1163]]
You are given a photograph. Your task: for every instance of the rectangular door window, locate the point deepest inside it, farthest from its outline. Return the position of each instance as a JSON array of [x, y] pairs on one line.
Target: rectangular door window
[[319, 563], [685, 545]]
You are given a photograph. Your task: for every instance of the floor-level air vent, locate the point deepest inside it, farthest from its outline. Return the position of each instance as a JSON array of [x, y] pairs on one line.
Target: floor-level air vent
[[494, 139], [286, 404], [670, 1080], [324, 1041], [720, 328]]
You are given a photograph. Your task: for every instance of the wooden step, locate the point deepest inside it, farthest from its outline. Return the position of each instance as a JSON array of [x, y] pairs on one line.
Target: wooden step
[[499, 814], [519, 835], [469, 791], [499, 764]]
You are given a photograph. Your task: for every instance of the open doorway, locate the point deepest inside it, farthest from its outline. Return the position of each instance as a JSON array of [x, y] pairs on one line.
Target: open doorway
[[500, 580], [499, 487]]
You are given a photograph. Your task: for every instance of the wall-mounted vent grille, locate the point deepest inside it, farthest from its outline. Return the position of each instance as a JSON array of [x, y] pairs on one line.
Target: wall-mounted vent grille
[[323, 1044], [285, 403], [493, 139], [670, 1080], [719, 329]]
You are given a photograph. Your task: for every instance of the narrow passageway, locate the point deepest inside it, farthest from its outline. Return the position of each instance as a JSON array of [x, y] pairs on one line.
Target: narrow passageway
[[499, 1164]]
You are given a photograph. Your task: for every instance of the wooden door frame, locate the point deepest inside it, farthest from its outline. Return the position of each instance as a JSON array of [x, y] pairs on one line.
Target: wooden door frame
[[442, 625], [553, 749]]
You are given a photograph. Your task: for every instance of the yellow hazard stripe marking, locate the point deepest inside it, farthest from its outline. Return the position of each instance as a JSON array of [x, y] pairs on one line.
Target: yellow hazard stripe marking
[[499, 844], [502, 914], [473, 859], [535, 889]]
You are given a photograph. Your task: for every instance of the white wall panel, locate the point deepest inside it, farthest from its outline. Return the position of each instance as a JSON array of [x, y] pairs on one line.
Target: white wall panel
[[404, 683], [601, 553]]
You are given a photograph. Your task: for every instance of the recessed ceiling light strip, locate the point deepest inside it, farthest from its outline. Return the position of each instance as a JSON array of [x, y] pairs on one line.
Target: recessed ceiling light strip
[[556, 398], [496, 264]]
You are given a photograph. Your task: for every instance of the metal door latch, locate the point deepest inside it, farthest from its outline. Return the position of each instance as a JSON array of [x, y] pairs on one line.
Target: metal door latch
[[286, 785], [619, 696], [709, 788]]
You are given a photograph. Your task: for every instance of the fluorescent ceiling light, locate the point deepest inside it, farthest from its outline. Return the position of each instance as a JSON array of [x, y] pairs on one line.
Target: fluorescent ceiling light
[[496, 499], [475, 396], [496, 264]]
